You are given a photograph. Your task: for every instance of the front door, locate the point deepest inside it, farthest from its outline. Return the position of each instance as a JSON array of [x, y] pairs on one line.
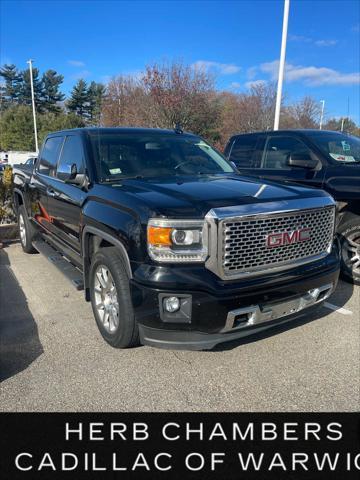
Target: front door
[[274, 162], [39, 187]]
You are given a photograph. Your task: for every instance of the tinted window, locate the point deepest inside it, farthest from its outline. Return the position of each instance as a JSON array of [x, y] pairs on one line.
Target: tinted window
[[278, 149], [50, 155], [243, 149], [73, 153]]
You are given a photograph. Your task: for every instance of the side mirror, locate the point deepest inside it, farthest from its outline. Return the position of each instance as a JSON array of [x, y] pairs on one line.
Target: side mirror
[[69, 174], [66, 172], [303, 160]]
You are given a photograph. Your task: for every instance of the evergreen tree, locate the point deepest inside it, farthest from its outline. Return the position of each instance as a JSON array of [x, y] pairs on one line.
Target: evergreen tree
[[24, 97], [10, 89], [17, 130], [52, 122], [79, 99], [51, 82], [96, 92]]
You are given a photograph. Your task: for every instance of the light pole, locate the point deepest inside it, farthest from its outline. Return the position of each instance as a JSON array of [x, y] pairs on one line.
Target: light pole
[[281, 64], [33, 104], [322, 113]]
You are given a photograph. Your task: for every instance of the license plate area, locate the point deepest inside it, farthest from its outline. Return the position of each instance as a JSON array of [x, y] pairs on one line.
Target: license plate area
[[257, 314]]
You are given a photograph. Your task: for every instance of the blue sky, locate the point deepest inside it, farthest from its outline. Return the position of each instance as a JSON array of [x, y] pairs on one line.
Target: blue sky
[[239, 41]]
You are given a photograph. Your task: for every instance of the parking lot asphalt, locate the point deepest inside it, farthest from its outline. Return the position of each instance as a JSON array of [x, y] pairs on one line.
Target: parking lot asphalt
[[52, 357]]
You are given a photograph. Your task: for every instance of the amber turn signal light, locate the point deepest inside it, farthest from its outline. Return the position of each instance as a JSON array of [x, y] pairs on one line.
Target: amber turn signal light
[[159, 236]]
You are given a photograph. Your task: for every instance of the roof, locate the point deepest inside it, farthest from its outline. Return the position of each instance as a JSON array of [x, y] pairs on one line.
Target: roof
[[129, 130], [290, 130]]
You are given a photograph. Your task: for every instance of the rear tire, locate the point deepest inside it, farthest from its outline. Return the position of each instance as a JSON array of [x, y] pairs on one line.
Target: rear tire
[[111, 299], [26, 231], [349, 234]]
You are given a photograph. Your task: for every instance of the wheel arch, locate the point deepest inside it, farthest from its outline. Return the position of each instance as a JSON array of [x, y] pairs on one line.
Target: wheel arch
[[18, 198], [91, 241]]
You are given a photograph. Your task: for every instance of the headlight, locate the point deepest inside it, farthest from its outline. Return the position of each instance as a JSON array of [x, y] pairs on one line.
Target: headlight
[[177, 240]]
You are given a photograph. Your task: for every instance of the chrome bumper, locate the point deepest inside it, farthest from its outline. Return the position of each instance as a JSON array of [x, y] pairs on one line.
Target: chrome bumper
[[256, 314]]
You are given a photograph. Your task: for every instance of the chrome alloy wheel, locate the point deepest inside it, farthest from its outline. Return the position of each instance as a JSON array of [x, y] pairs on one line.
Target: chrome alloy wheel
[[351, 252], [106, 299], [22, 229]]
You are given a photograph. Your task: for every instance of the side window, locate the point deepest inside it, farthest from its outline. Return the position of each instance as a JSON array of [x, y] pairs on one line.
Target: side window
[[242, 150], [73, 152], [278, 149], [50, 155]]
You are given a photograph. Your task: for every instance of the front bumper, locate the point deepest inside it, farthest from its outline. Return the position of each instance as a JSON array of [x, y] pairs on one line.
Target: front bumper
[[267, 301], [194, 340]]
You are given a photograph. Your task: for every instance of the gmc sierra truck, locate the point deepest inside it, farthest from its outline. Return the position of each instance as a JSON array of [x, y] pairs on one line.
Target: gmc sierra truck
[[172, 247], [314, 158]]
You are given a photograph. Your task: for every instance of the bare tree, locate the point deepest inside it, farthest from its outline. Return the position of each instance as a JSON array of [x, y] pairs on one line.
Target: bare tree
[[164, 96], [124, 103], [304, 114], [182, 95], [346, 124], [247, 112]]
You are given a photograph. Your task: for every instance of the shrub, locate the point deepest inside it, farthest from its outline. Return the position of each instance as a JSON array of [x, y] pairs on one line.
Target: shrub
[[7, 214]]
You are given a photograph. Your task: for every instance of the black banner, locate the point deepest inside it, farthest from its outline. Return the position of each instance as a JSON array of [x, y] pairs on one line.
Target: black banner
[[180, 445]]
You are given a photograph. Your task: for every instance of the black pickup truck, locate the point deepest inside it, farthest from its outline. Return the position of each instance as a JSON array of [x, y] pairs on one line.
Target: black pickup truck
[[172, 246], [315, 158]]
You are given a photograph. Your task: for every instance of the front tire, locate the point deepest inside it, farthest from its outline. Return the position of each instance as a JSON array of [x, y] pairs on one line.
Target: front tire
[[26, 231], [111, 299], [349, 233]]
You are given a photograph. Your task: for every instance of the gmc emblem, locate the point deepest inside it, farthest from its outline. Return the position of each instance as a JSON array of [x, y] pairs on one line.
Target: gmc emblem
[[288, 238]]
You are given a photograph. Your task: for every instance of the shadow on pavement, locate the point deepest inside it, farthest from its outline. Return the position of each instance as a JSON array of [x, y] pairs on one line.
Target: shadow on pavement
[[339, 298], [19, 340]]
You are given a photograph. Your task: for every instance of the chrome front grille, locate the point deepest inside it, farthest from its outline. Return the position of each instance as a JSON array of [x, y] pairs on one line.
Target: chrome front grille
[[243, 240]]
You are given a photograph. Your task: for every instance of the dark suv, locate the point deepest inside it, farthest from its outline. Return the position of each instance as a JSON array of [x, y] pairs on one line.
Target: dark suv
[[315, 158]]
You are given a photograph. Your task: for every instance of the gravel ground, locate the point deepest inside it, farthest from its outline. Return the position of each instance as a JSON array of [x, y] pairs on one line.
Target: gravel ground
[[52, 357]]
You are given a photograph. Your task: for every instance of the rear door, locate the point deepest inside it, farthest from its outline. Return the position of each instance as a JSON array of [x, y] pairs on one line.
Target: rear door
[[243, 152], [65, 199], [275, 154]]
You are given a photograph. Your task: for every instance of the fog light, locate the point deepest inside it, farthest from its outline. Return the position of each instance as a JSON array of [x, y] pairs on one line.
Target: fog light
[[171, 304]]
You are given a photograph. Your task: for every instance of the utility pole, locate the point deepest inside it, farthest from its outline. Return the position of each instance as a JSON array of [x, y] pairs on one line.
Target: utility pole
[[322, 113], [33, 104], [281, 64], [342, 124]]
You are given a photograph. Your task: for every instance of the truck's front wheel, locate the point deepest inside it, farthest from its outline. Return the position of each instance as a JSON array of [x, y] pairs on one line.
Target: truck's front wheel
[[349, 233], [111, 299]]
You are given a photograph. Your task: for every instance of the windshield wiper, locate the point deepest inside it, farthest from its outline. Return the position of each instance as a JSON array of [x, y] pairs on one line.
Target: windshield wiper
[[118, 179]]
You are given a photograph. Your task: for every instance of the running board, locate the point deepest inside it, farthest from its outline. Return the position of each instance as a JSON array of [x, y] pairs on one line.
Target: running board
[[65, 267]]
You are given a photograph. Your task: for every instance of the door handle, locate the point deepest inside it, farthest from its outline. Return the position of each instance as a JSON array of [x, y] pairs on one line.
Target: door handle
[[51, 193]]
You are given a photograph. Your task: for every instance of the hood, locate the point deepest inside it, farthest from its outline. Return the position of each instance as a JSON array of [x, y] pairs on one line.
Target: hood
[[195, 196]]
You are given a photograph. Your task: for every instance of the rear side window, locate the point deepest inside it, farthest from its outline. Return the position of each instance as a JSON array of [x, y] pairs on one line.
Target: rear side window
[[73, 153], [242, 150], [50, 155]]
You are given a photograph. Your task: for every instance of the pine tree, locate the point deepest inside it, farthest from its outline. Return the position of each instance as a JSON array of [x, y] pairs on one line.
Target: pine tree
[[96, 92], [24, 97], [11, 87], [51, 82], [79, 99]]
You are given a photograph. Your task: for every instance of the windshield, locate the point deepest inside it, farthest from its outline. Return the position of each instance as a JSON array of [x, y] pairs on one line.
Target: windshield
[[124, 155], [340, 147]]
